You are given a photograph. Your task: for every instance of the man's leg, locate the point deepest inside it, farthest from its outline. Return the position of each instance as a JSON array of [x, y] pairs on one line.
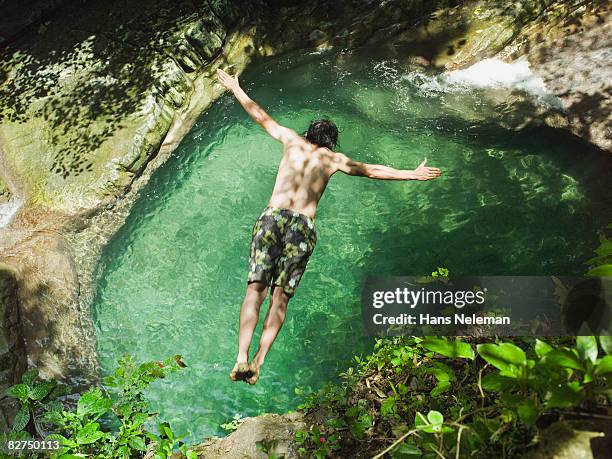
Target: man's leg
[[249, 316], [272, 324]]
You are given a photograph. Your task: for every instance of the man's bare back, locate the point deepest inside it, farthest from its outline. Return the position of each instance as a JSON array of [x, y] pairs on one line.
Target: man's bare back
[[284, 236], [303, 174]]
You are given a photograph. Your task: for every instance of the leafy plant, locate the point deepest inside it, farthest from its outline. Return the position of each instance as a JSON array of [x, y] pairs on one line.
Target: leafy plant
[[267, 447], [233, 424], [35, 394], [101, 426], [602, 262], [316, 443], [481, 400]]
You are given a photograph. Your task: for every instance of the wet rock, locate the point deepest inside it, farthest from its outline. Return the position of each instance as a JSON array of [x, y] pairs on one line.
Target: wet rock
[[206, 36], [568, 45], [5, 193], [577, 69], [12, 352], [57, 334], [317, 36], [273, 432], [573, 440]]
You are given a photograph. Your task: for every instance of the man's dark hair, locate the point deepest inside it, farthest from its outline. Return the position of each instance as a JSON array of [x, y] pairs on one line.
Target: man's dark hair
[[323, 133]]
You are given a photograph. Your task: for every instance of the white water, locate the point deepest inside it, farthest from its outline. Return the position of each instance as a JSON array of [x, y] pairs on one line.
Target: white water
[[8, 210], [488, 74], [497, 74]]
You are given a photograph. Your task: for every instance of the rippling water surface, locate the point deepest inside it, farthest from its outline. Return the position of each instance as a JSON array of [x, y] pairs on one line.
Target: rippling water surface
[[173, 278]]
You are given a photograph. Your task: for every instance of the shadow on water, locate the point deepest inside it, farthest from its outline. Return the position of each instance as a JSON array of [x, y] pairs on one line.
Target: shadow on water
[[515, 236]]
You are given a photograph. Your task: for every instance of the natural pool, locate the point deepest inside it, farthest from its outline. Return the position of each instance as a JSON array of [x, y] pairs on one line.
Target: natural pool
[[174, 276]]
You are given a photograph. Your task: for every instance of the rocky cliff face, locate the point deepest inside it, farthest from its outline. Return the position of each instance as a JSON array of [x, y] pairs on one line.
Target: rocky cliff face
[[11, 342], [95, 95]]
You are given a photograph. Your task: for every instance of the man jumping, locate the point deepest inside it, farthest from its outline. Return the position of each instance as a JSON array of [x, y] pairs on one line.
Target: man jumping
[[284, 235]]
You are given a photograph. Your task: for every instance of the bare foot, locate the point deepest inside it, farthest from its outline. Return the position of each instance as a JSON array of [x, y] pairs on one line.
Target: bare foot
[[252, 379], [241, 372]]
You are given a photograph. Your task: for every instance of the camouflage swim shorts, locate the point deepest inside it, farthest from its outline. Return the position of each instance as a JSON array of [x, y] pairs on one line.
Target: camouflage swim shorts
[[283, 240]]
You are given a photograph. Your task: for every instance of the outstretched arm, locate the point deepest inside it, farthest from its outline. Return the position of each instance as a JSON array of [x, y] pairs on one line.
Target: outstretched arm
[[278, 132], [380, 172]]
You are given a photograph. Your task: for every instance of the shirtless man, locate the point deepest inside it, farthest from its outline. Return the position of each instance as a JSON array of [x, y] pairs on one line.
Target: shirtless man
[[284, 235]]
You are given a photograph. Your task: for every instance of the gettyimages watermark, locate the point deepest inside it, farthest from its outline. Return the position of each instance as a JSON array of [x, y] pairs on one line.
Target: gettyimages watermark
[[487, 305]]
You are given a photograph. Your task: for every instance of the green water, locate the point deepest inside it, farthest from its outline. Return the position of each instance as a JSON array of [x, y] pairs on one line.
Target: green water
[[174, 276]]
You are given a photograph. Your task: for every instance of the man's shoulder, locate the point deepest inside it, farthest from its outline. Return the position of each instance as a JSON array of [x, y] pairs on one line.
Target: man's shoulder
[[294, 141]]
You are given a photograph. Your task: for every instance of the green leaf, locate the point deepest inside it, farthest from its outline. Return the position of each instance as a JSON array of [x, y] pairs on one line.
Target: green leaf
[[566, 396], [587, 348], [91, 433], [57, 437], [165, 429], [19, 391], [53, 406], [110, 381], [300, 436], [604, 365], [503, 353], [87, 401], [506, 357], [29, 377], [435, 417], [606, 344], [41, 390], [387, 407], [497, 383], [139, 419], [420, 420], [527, 412], [605, 249], [542, 348], [601, 271], [21, 419], [440, 388], [442, 372], [563, 358], [125, 410], [93, 403], [137, 443], [449, 348], [357, 428]]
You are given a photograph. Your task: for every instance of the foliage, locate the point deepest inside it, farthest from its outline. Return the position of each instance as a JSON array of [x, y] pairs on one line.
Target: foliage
[[233, 424], [267, 447], [601, 265], [34, 394], [99, 426], [438, 397]]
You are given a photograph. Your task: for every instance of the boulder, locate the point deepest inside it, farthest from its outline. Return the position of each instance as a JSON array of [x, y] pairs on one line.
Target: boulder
[[257, 437]]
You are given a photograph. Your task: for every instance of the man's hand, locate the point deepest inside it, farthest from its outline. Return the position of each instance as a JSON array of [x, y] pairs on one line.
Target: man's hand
[[425, 173], [228, 81]]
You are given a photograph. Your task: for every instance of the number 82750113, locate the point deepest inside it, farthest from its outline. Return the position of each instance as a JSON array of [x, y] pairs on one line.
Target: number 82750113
[[32, 445]]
